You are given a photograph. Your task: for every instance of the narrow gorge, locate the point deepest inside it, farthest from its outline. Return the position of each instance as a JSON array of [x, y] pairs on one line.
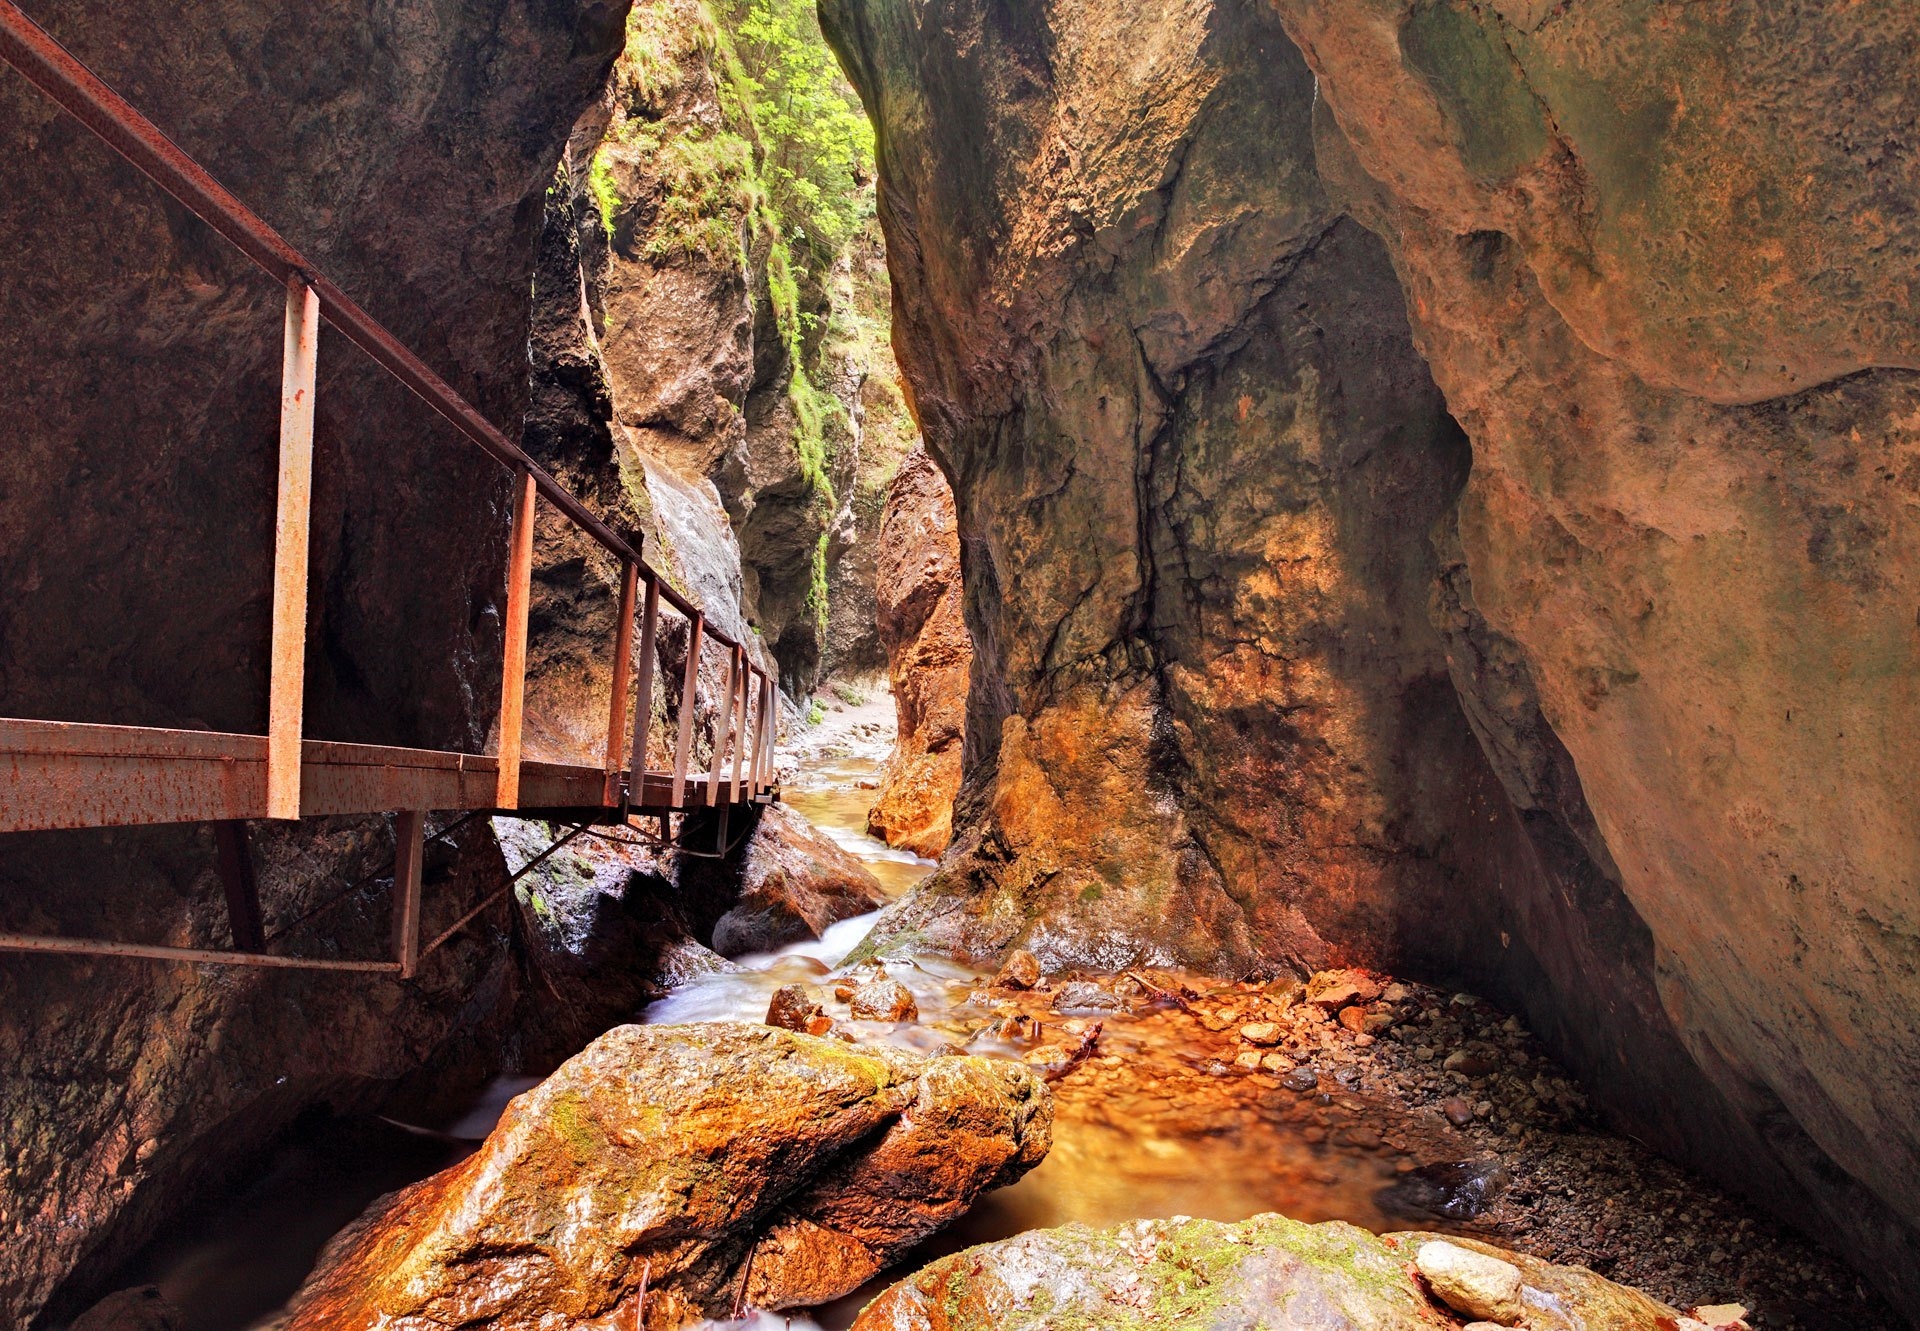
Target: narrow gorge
[[1238, 663]]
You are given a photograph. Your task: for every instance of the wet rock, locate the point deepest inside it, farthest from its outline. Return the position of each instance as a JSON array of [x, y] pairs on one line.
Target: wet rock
[[796, 1007], [1331, 990], [920, 601], [1021, 970], [1268, 1273], [143, 1308], [884, 1000], [1453, 1191], [1471, 1283], [787, 882], [1458, 1111], [1469, 1063], [1354, 1019], [707, 1159], [1301, 1079], [1262, 1032], [1086, 996]]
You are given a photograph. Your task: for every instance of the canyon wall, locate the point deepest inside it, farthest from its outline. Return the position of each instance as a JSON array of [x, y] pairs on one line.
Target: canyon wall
[[922, 621], [405, 150], [1436, 488]]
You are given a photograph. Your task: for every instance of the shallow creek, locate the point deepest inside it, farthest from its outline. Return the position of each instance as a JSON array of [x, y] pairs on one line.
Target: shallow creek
[[1165, 1117]]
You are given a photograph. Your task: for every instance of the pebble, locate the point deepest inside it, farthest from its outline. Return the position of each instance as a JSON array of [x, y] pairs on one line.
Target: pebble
[[1021, 970], [1458, 1111], [1300, 1079], [1480, 1287], [1261, 1032], [884, 1000]]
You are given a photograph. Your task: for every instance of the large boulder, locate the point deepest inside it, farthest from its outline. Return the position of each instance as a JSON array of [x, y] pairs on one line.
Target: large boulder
[[704, 1164], [929, 657], [1264, 1274], [784, 881]]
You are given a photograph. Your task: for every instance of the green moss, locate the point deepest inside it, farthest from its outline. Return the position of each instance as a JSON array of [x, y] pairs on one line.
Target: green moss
[[1500, 124], [573, 1119], [606, 196]]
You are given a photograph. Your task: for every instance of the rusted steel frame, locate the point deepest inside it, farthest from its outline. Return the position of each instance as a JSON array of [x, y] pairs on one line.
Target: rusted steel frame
[[643, 692], [740, 744], [468, 918], [286, 676], [622, 677], [54, 70], [723, 730], [59, 774], [235, 859], [689, 690], [409, 859], [102, 947], [513, 666], [770, 732]]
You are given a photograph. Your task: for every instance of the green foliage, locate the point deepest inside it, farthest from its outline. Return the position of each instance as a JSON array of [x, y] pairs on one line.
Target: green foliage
[[818, 143], [815, 712], [605, 194], [849, 695]]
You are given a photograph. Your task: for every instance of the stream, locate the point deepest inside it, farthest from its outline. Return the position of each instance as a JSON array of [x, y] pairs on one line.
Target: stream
[[1164, 1118]]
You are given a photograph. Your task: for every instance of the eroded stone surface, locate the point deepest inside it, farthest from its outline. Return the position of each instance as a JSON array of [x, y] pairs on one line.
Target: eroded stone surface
[[929, 655], [680, 1155], [1264, 1274]]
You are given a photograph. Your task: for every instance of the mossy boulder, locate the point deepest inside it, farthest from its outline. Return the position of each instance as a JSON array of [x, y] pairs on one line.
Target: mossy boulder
[[1264, 1274], [695, 1163]]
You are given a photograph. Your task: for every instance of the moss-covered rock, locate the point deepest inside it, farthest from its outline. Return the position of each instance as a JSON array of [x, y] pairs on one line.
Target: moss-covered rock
[[1264, 1274], [702, 1163]]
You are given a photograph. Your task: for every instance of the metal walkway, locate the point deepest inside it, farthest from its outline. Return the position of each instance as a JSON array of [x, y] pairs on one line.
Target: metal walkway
[[65, 775]]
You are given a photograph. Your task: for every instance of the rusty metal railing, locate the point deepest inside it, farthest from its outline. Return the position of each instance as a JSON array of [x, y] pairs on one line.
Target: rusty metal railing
[[302, 777]]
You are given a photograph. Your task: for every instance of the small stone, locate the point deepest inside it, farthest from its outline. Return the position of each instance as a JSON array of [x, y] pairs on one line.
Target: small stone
[[1276, 1063], [884, 1000], [1396, 993], [1260, 1032], [1379, 1023], [1085, 996], [1247, 1060], [1021, 970], [1469, 1064], [1283, 994], [1338, 989], [843, 990], [1354, 1019], [1721, 1315], [1458, 1111], [1471, 1283], [796, 1007], [1300, 1079]]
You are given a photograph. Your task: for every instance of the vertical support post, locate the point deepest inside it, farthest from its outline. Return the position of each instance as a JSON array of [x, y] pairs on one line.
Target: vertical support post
[[740, 746], [286, 680], [243, 890], [513, 670], [622, 676], [683, 750], [723, 730], [770, 732], [643, 695], [409, 856]]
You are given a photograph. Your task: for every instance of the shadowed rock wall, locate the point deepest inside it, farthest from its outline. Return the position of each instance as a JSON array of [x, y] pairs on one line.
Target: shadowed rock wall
[[405, 150], [1602, 705]]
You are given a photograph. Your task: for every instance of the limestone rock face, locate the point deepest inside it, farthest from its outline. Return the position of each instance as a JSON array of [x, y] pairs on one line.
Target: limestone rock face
[[1195, 459], [1264, 1274], [405, 150], [923, 624], [1662, 264], [1599, 700], [683, 1156]]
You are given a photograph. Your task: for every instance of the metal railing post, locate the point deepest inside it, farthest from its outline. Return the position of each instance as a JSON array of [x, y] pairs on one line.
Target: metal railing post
[[513, 669], [286, 679], [622, 676], [643, 695], [409, 857], [683, 751], [723, 729]]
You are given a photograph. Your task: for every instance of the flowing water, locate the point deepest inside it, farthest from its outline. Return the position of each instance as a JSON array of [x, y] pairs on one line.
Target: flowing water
[[1151, 1126]]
